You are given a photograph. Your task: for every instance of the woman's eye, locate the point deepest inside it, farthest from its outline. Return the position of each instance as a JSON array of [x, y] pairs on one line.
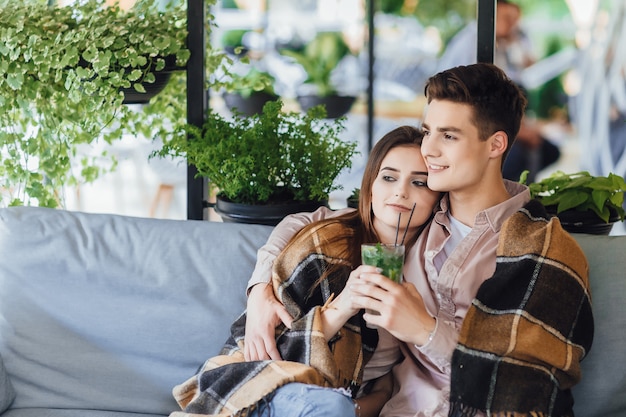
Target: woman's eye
[[388, 178], [419, 183]]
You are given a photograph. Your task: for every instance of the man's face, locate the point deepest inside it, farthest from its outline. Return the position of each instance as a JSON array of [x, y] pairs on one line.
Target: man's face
[[507, 18], [457, 159]]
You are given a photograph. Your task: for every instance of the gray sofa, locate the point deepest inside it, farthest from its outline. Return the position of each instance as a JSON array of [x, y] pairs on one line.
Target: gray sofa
[[101, 315]]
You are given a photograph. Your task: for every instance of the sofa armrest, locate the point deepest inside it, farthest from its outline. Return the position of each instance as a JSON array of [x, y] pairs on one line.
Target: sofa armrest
[[7, 394]]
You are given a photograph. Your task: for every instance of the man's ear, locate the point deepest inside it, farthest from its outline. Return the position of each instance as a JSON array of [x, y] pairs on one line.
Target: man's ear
[[499, 143]]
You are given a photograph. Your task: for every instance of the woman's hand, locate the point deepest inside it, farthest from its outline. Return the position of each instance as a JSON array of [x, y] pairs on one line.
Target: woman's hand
[[401, 307], [264, 314], [339, 311]]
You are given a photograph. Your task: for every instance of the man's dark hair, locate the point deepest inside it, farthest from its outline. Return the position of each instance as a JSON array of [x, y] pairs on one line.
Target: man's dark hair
[[496, 101]]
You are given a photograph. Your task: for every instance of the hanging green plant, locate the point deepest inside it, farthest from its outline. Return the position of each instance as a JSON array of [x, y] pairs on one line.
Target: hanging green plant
[[64, 74]]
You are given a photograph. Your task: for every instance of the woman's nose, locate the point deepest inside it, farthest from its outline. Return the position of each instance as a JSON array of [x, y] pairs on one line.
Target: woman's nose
[[401, 191]]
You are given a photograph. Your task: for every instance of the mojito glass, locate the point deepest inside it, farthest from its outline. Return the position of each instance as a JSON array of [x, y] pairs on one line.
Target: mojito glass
[[388, 257]]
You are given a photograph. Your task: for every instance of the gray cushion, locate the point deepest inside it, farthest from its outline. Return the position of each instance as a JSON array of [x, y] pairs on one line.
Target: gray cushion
[[105, 312], [602, 391], [7, 394]]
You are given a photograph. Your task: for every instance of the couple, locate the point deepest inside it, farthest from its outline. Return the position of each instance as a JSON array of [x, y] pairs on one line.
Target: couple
[[493, 316]]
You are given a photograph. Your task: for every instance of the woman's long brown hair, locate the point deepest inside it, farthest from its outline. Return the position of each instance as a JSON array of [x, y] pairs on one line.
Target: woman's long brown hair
[[359, 224]]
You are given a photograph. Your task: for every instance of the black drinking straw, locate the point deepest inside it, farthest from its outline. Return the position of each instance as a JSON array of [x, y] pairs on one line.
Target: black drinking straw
[[395, 242], [407, 224]]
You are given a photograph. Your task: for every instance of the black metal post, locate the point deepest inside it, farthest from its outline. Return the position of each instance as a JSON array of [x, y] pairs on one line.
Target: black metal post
[[486, 13], [370, 76], [197, 102]]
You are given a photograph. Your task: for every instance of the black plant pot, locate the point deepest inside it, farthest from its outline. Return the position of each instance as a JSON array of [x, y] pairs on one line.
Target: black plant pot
[[132, 96], [336, 106], [270, 214], [248, 106], [575, 221], [352, 202], [161, 78]]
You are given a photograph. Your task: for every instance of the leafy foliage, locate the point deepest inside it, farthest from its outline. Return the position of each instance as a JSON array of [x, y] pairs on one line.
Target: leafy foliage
[[61, 71], [257, 159], [319, 58], [581, 191], [255, 80]]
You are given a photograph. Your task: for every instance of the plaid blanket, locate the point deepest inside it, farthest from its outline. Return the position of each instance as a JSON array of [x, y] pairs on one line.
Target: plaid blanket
[[529, 326], [227, 385]]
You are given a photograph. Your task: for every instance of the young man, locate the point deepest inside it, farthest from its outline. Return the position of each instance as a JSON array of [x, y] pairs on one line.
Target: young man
[[473, 116]]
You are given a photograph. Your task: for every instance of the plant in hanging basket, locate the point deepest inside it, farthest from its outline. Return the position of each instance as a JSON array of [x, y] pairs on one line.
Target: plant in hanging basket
[[270, 157], [248, 93], [65, 72], [319, 58], [565, 194]]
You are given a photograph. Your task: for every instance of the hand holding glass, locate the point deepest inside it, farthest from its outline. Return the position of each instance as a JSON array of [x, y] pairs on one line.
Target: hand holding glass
[[388, 257]]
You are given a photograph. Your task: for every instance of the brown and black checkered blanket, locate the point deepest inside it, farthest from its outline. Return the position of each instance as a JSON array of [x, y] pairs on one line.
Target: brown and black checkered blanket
[[227, 385], [529, 326]]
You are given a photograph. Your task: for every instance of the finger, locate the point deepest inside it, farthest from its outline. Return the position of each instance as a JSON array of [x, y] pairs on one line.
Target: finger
[[284, 316], [367, 269], [253, 353], [377, 279], [271, 350]]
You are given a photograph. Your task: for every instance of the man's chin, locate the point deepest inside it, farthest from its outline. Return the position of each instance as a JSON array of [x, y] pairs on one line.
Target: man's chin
[[440, 186]]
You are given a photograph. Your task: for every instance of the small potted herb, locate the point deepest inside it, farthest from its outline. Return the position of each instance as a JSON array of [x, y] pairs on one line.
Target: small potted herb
[[279, 161], [248, 93], [319, 58], [584, 203]]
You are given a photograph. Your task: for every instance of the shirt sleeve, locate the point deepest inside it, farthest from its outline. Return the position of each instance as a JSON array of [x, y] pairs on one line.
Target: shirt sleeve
[[279, 238], [440, 345]]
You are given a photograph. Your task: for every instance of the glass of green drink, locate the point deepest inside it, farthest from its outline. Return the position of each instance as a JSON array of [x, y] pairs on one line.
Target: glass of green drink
[[386, 256]]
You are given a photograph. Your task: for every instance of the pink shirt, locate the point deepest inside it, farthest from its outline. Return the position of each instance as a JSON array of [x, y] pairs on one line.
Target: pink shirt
[[423, 376]]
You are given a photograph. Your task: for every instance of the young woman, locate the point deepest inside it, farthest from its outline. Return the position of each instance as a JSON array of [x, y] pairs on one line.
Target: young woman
[[327, 345]]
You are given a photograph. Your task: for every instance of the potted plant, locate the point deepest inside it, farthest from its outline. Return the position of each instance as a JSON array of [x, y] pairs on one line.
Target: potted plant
[[65, 74], [268, 161], [232, 42], [584, 203], [353, 199], [319, 59], [249, 92]]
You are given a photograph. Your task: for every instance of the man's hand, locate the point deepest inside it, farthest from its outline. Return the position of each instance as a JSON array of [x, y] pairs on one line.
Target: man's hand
[[264, 314], [401, 307]]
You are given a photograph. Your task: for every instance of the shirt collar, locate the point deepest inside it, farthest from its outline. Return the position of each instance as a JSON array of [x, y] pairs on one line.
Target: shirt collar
[[495, 216]]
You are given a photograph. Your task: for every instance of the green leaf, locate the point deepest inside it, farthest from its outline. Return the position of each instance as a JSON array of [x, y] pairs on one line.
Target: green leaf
[[15, 81], [139, 87], [134, 75]]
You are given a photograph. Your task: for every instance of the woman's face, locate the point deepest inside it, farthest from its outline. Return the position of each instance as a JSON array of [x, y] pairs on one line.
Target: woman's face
[[400, 183]]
